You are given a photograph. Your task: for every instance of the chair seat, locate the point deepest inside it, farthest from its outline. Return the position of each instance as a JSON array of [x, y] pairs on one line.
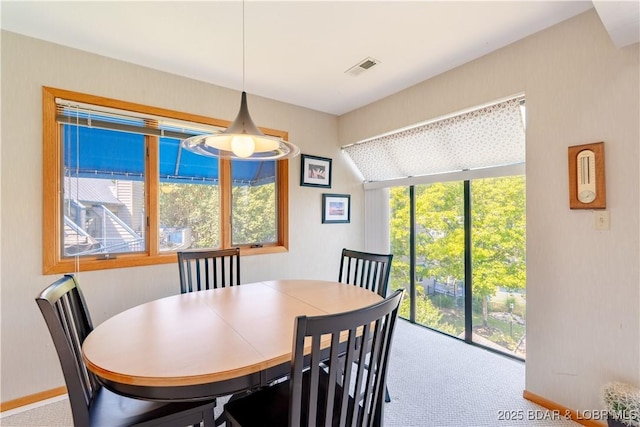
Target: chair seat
[[269, 406], [109, 409]]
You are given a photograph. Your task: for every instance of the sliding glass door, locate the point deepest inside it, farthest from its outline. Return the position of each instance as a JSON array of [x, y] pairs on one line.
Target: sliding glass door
[[459, 252]]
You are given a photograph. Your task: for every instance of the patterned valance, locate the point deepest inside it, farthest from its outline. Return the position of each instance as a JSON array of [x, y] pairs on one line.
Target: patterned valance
[[489, 136]]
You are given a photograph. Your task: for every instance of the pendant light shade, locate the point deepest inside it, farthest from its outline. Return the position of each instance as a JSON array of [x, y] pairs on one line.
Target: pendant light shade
[[242, 140]]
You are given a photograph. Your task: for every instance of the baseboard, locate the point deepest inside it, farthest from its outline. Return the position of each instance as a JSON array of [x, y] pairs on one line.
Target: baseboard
[[32, 398], [545, 403], [580, 418]]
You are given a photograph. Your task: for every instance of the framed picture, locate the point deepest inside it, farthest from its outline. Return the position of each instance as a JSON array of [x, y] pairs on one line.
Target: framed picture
[[336, 208], [315, 171]]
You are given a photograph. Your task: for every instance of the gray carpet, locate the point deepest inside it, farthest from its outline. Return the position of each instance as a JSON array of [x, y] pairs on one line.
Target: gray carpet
[[437, 381], [434, 381]]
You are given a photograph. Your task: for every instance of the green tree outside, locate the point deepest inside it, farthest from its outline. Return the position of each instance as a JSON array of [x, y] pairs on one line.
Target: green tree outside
[[498, 247], [254, 214], [192, 205], [498, 237], [197, 206]]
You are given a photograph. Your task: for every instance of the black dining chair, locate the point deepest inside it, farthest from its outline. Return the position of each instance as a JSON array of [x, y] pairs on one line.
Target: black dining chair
[[65, 313], [325, 394], [208, 269], [365, 269], [203, 269]]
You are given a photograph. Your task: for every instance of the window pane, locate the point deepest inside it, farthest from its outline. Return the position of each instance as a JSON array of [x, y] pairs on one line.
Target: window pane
[[189, 199], [103, 187], [400, 229], [440, 256], [253, 205], [499, 270]]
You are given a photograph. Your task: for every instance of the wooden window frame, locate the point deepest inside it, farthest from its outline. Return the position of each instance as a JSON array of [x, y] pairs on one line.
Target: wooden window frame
[[54, 262]]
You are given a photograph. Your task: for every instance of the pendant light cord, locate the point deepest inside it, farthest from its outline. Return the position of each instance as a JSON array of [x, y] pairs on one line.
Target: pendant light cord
[[243, 45]]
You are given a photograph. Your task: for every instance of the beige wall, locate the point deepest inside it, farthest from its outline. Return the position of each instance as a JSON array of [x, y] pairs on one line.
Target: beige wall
[[29, 364], [583, 285]]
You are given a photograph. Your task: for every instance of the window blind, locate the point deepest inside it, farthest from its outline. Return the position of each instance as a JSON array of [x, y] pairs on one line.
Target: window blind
[[490, 136], [87, 115]]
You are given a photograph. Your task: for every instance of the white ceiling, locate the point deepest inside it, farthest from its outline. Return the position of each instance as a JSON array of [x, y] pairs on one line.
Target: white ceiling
[[296, 51]]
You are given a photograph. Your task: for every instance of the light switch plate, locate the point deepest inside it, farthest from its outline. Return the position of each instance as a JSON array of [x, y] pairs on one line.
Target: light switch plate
[[601, 220]]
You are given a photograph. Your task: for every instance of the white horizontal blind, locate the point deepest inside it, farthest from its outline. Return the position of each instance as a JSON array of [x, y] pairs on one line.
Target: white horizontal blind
[[96, 116], [487, 137]]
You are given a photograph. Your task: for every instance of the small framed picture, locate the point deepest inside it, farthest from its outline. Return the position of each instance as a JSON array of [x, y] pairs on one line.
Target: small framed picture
[[315, 171], [336, 208]]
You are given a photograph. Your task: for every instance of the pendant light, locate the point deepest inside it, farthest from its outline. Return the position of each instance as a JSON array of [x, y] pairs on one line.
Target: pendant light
[[242, 140]]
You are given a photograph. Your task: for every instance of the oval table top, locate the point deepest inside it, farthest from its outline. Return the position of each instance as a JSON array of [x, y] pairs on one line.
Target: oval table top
[[214, 335]]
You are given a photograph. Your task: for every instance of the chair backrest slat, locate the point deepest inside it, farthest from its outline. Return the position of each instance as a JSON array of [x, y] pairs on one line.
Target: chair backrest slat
[[208, 269], [65, 313], [366, 270], [353, 394]]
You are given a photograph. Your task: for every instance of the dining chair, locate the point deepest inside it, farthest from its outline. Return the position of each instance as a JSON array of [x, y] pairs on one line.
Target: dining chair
[[67, 317], [208, 269], [324, 393], [365, 269]]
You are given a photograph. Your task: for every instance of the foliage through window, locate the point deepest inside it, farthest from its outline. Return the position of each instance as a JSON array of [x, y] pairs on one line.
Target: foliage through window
[[497, 251], [120, 191]]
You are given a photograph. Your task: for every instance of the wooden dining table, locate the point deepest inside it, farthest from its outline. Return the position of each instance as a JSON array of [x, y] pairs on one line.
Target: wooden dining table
[[211, 343]]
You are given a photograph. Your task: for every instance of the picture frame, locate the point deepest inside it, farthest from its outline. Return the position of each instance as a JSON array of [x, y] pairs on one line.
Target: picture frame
[[336, 208], [587, 187], [315, 171]]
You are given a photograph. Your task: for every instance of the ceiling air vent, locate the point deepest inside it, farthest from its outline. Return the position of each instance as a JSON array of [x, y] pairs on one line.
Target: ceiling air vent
[[362, 66]]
